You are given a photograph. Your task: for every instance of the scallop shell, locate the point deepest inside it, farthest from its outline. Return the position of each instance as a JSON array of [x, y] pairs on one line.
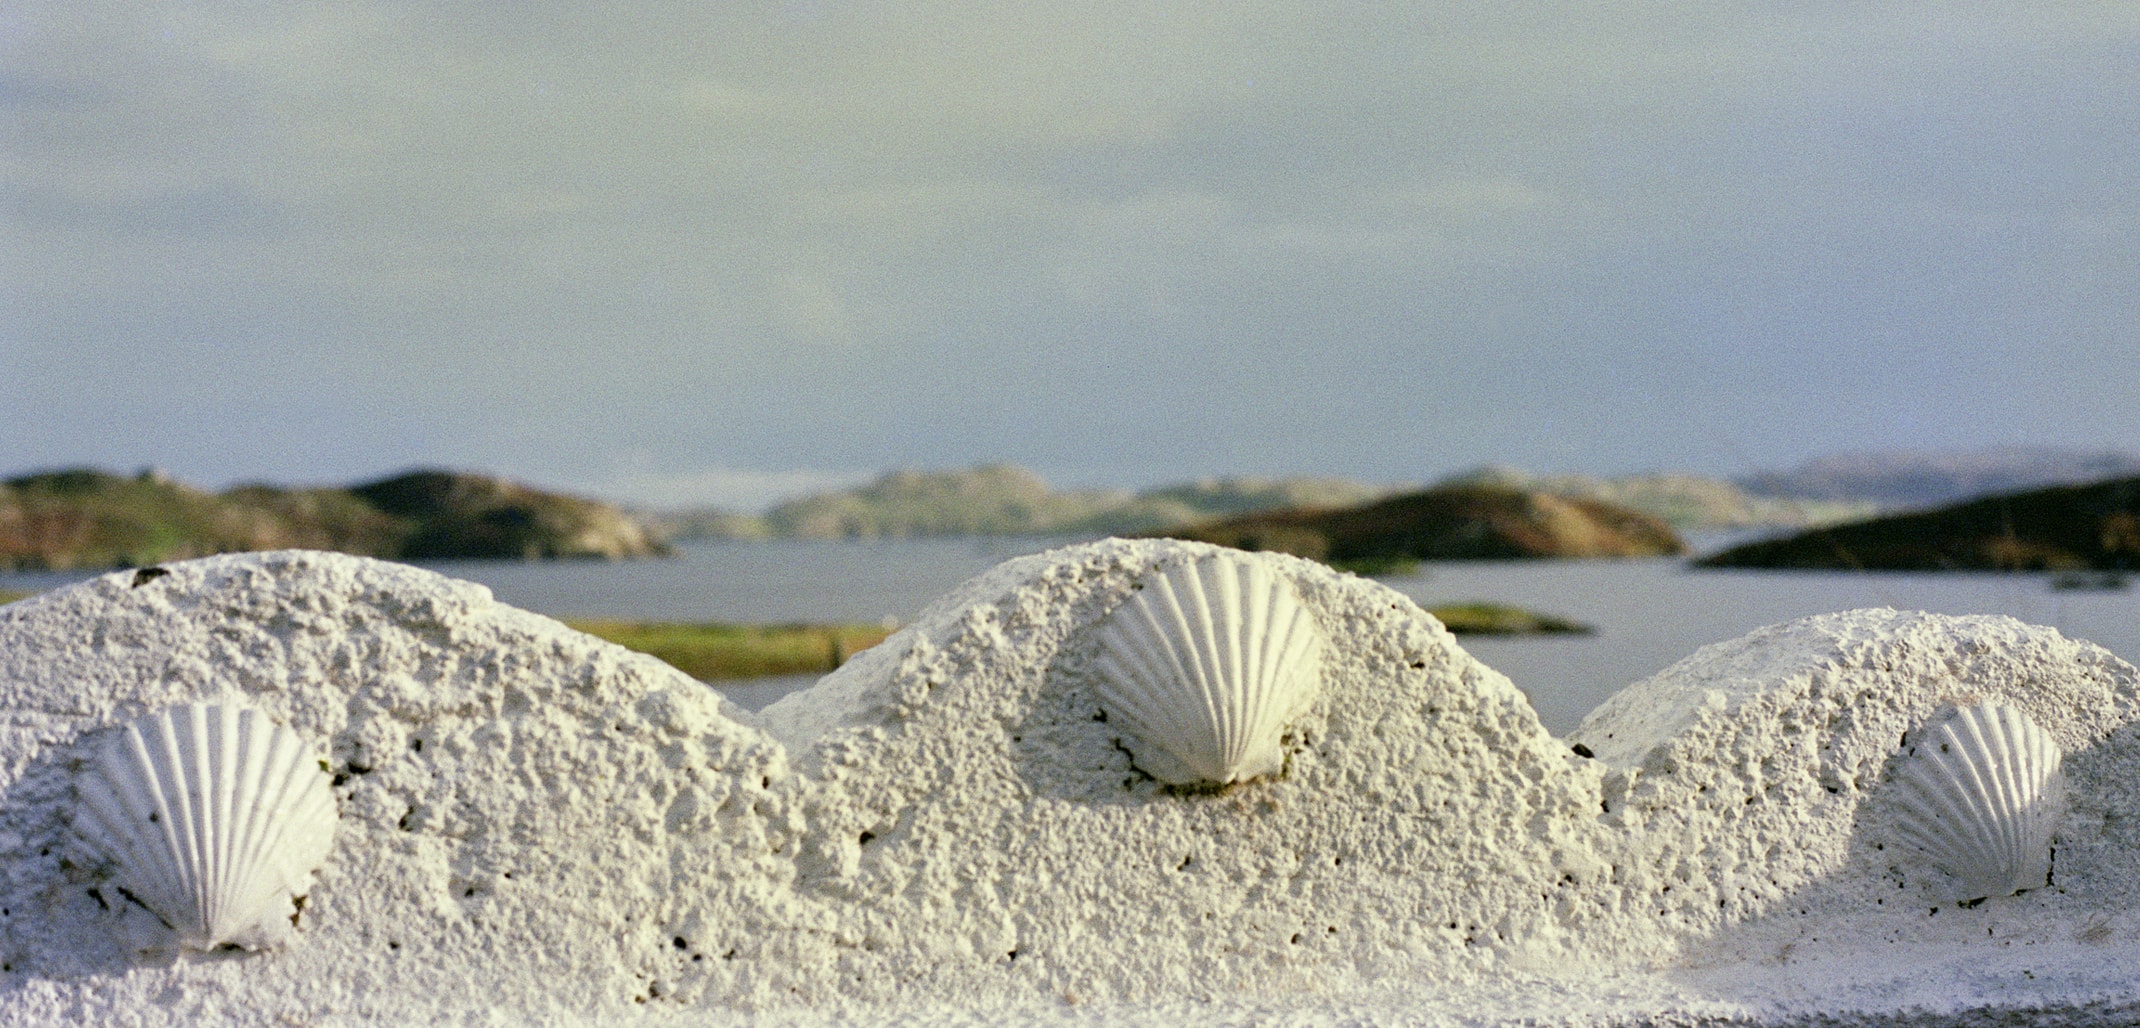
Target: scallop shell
[[1981, 794], [214, 818], [1205, 664]]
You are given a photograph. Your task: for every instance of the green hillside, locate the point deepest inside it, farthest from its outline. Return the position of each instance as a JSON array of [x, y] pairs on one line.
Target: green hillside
[[86, 518]]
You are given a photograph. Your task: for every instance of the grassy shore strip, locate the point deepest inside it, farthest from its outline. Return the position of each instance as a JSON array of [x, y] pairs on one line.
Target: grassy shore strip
[[1498, 619], [1378, 567], [717, 651], [725, 651]]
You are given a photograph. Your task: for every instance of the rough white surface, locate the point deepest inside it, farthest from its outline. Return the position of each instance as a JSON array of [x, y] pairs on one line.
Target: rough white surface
[[983, 833], [541, 826]]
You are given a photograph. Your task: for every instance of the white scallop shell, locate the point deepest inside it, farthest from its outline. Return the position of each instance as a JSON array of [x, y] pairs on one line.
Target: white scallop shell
[[1981, 794], [1205, 664], [214, 818]]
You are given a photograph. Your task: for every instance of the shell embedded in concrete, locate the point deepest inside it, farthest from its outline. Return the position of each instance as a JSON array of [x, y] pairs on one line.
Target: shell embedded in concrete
[[1205, 664], [213, 817], [1981, 794]]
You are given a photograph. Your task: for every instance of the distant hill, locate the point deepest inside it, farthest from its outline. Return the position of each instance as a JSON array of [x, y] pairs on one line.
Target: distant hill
[[1450, 523], [86, 518], [997, 499], [1209, 498], [1687, 502], [456, 514], [2062, 527], [1001, 499], [1931, 479], [708, 523]]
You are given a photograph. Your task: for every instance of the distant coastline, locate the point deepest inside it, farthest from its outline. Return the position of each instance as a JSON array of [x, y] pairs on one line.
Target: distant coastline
[[86, 518], [1003, 499]]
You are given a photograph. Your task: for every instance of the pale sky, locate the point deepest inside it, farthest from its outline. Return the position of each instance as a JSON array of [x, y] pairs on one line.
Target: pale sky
[[723, 252]]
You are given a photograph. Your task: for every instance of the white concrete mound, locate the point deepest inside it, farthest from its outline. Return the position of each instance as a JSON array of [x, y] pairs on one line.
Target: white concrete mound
[[536, 825]]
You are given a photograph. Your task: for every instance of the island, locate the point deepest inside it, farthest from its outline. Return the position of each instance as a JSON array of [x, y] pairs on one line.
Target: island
[[2062, 528], [1481, 522]]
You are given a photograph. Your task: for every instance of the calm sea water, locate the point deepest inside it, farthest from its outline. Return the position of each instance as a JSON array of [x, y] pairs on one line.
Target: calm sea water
[[1649, 613]]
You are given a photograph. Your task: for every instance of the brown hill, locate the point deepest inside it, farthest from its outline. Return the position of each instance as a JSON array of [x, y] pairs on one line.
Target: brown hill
[[1451, 523], [2064, 527]]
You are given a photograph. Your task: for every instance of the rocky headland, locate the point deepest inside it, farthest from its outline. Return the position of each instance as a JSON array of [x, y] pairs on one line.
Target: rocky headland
[[2061, 528], [86, 518], [456, 514]]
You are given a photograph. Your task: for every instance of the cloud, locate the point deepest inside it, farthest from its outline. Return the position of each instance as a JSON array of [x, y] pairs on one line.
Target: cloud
[[864, 234]]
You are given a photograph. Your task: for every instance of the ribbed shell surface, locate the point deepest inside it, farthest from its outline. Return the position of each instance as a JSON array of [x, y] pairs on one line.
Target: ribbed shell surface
[[1982, 793], [1205, 664], [213, 816]]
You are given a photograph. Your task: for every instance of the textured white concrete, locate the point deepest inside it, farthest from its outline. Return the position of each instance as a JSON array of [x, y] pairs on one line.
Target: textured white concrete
[[537, 825]]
